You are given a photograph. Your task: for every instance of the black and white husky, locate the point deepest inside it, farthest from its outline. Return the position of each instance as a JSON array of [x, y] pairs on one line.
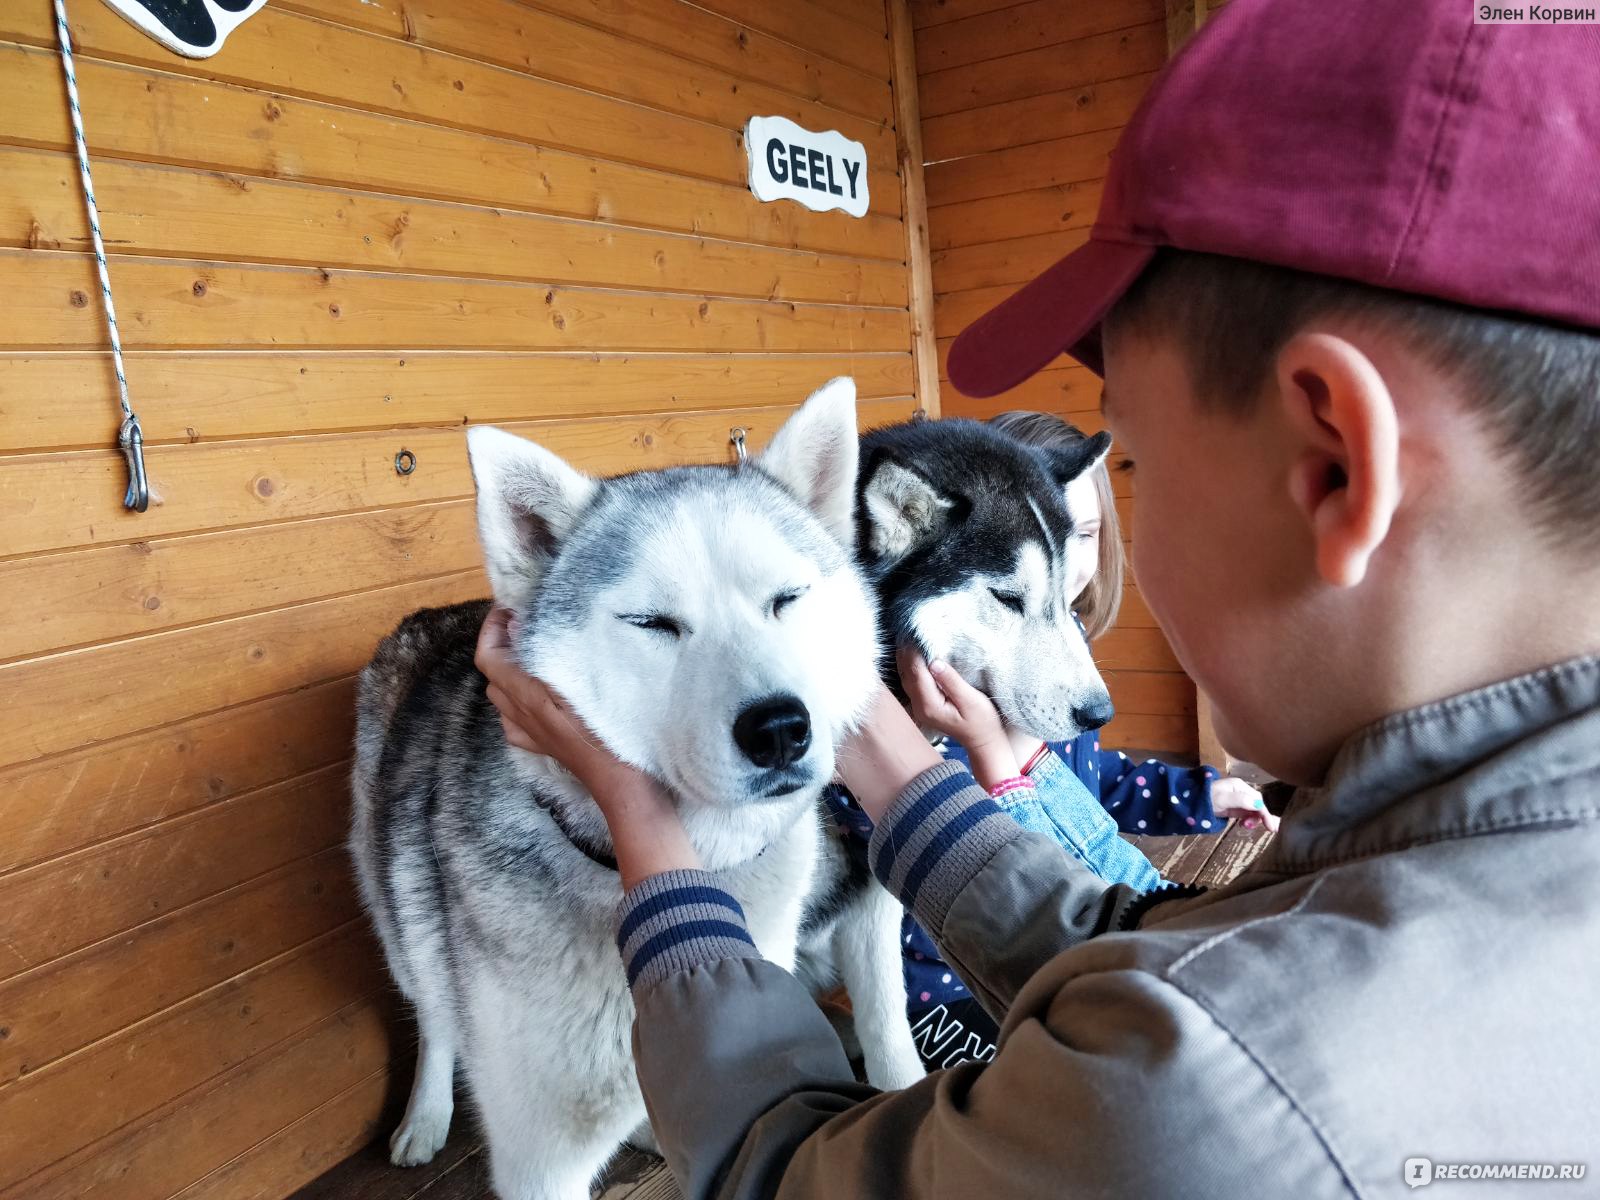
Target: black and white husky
[[710, 624], [969, 539]]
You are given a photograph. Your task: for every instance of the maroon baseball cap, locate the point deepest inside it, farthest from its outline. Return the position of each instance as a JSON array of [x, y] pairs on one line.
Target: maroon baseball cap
[[1392, 142]]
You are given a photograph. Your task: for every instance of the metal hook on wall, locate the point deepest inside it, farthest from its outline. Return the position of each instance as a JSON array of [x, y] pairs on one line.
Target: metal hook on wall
[[736, 436]]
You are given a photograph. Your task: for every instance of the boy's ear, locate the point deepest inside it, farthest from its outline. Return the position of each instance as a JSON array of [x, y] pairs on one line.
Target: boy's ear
[[900, 508], [1069, 462], [815, 454], [1344, 475], [528, 501]]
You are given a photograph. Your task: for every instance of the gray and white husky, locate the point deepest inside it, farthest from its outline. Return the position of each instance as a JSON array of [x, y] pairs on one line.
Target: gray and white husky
[[711, 626]]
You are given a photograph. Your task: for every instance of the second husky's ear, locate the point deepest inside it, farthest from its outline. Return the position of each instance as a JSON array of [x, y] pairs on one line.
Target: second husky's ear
[[901, 509], [1069, 462], [528, 500], [814, 456]]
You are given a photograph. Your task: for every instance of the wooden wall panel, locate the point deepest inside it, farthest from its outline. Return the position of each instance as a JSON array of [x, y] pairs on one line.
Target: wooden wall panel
[[1022, 103], [362, 226]]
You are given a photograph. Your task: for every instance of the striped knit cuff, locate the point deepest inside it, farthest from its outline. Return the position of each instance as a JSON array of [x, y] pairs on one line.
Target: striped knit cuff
[[677, 920], [940, 833]]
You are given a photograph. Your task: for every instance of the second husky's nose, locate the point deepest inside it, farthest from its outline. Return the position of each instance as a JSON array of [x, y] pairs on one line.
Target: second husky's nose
[[1093, 714], [774, 732]]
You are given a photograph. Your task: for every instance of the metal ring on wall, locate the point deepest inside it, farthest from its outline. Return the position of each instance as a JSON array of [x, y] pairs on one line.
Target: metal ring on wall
[[405, 462]]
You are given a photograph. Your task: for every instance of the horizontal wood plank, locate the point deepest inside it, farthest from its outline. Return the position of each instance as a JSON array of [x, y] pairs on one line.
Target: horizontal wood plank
[[65, 1006], [813, 27], [80, 1099], [1084, 108], [235, 130], [63, 701], [303, 1149], [64, 399], [177, 305], [74, 499], [1021, 214], [89, 796], [180, 213], [1016, 28], [1151, 693], [684, 30], [939, 12], [1072, 392], [122, 591], [1008, 264], [1163, 734], [252, 1133], [289, 55], [1002, 172], [1132, 649], [1045, 70], [157, 871]]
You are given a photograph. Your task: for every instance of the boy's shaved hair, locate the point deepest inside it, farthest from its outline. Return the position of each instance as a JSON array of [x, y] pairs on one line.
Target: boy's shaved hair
[[1536, 386]]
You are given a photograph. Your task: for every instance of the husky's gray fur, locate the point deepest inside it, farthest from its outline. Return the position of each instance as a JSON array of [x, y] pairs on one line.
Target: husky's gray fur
[[663, 606]]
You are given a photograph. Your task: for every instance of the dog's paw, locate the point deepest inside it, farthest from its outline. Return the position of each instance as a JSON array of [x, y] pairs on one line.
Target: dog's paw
[[419, 1138]]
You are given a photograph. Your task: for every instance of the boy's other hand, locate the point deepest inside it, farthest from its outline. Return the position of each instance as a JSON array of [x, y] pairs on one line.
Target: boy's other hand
[[1234, 799], [942, 700]]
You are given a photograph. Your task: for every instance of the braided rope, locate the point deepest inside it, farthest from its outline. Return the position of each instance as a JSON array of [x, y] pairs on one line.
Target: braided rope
[[131, 437]]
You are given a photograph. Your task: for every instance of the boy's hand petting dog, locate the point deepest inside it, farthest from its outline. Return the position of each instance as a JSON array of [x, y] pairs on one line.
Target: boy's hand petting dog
[[1233, 798], [646, 833], [942, 700]]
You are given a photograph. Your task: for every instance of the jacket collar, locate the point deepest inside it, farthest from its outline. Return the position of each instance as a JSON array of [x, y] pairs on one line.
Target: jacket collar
[[1522, 752]]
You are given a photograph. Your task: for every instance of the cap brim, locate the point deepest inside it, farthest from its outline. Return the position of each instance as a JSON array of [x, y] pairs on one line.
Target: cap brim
[[1058, 312]]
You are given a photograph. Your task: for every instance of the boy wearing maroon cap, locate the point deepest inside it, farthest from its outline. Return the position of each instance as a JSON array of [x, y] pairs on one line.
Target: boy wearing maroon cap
[[1344, 292]]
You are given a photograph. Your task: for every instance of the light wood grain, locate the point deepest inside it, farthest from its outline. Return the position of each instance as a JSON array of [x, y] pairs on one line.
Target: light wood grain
[[265, 1050], [177, 305], [1045, 70], [74, 499], [1017, 28], [63, 1007], [64, 399], [239, 131], [80, 1099], [180, 213], [88, 796]]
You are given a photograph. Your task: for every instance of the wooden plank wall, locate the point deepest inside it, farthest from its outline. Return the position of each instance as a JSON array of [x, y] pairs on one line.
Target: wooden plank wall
[[362, 225], [1021, 104]]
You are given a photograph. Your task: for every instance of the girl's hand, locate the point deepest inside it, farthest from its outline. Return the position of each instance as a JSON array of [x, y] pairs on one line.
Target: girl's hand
[[645, 829], [941, 699], [1233, 798]]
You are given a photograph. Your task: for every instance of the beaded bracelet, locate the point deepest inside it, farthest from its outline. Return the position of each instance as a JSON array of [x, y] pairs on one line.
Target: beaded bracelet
[[1005, 787]]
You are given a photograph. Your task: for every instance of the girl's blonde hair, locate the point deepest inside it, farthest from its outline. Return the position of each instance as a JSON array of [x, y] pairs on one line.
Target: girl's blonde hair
[[1102, 596]]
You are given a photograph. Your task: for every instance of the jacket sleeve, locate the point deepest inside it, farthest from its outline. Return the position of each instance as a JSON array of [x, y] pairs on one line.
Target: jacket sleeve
[[1107, 1082], [767, 1066], [1154, 797]]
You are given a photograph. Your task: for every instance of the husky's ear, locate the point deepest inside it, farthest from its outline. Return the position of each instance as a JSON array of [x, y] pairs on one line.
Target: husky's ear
[[528, 500], [814, 456], [901, 509], [1069, 462]]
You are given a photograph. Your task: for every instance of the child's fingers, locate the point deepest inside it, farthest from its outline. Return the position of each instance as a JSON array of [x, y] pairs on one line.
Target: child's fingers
[[928, 704], [961, 694]]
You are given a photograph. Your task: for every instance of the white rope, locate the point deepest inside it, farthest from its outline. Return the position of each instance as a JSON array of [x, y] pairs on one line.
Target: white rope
[[131, 437]]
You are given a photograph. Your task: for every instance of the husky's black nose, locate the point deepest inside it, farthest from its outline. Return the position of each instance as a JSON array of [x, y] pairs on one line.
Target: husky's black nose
[[1093, 714], [774, 732]]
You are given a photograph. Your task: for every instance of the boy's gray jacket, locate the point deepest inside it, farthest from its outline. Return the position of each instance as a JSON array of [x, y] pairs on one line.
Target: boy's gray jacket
[[1411, 971]]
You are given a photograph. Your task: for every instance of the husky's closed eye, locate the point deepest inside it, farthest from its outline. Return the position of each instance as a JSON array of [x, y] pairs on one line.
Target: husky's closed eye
[[654, 622]]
